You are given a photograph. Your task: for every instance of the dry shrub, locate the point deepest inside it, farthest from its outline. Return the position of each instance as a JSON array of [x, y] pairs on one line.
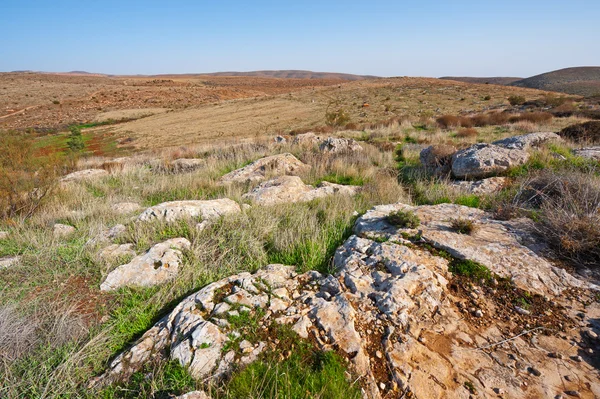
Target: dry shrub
[[516, 100], [498, 118], [533, 117], [588, 132], [567, 204], [26, 179], [351, 126], [17, 333], [448, 121], [463, 226], [112, 167], [467, 133]]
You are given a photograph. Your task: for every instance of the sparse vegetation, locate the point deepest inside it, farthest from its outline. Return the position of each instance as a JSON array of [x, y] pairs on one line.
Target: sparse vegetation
[[463, 225], [516, 100], [404, 219]]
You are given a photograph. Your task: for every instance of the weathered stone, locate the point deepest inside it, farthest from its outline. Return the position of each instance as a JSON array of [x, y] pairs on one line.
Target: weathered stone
[[182, 165], [196, 209], [276, 165], [124, 208], [62, 230], [485, 186], [307, 139], [158, 265], [437, 159], [335, 145], [527, 141], [86, 174], [280, 140], [588, 153], [482, 160], [288, 189], [116, 251], [193, 395], [3, 235], [9, 261]]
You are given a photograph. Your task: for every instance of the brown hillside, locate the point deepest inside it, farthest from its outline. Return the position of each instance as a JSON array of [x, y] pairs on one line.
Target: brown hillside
[[579, 80]]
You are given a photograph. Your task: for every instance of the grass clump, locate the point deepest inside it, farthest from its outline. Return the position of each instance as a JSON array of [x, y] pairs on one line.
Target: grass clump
[[470, 269], [404, 219], [516, 100], [463, 226]]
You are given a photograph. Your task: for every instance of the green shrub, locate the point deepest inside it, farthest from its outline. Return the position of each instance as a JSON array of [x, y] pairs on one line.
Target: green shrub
[[404, 219], [470, 269], [462, 225], [75, 140], [516, 100]]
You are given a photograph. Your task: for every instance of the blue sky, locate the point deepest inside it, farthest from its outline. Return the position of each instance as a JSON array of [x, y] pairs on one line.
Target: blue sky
[[386, 38]]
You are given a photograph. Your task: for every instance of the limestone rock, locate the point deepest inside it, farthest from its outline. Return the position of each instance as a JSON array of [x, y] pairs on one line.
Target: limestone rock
[[62, 230], [197, 209], [527, 141], [116, 251], [158, 265], [275, 165], [335, 145], [9, 261], [110, 234], [86, 174], [3, 235], [288, 189], [194, 395], [588, 153], [183, 165], [482, 160], [307, 139], [124, 208], [485, 186], [437, 159]]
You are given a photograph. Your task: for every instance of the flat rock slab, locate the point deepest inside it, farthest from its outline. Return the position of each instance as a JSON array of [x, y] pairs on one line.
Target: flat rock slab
[[9, 261], [485, 186], [192, 209], [160, 264], [527, 141], [483, 160], [290, 189], [86, 174], [588, 153], [495, 244], [275, 165], [60, 230], [335, 145], [117, 251]]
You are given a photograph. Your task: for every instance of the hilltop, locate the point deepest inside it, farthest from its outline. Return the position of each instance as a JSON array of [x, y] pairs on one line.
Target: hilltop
[[579, 80], [495, 80], [295, 74]]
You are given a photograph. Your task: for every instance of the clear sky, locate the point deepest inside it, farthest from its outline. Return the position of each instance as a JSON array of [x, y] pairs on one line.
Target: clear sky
[[386, 38]]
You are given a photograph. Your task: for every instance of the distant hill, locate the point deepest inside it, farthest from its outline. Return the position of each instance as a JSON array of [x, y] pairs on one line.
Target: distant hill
[[295, 74], [498, 80], [579, 80]]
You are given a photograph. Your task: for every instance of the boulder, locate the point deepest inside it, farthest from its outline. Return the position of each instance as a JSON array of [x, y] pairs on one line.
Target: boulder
[[437, 159], [483, 160], [335, 145], [527, 141], [60, 230], [275, 165], [289, 189], [592, 153], [86, 174], [110, 234], [183, 165], [485, 186], [192, 209], [124, 208], [9, 261], [280, 140], [117, 251], [194, 395], [307, 139], [389, 306], [158, 265], [3, 235]]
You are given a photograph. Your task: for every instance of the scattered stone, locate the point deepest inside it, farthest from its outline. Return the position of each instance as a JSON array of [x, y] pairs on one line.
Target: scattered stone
[[522, 311], [3, 235], [575, 394], [527, 141], [485, 186], [280, 140], [588, 153], [194, 395], [276, 165], [184, 165], [555, 355], [478, 313], [534, 371], [158, 265], [196, 209], [307, 139], [124, 208], [336, 145], [289, 189], [86, 174], [62, 230], [483, 160], [578, 359], [379, 355], [117, 251], [9, 261], [592, 334]]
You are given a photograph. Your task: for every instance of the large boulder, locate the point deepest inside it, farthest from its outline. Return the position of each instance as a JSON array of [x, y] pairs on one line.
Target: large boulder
[[336, 144], [160, 264], [275, 165], [527, 141], [437, 159], [592, 153], [392, 309], [86, 174], [288, 189], [307, 139], [192, 209], [483, 160]]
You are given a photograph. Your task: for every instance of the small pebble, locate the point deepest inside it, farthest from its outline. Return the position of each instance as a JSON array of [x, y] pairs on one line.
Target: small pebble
[[568, 378], [534, 371], [578, 359], [478, 313], [382, 386], [555, 355], [592, 334], [522, 311], [378, 355], [573, 393]]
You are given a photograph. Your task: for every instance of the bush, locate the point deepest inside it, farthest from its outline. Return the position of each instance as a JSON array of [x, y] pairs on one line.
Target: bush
[[533, 117], [75, 140], [468, 132], [468, 268], [463, 226], [404, 219], [448, 121], [337, 118], [516, 100], [588, 132]]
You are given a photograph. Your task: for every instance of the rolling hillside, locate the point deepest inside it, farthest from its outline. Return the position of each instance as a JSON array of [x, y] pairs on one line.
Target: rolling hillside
[[579, 80], [295, 74], [497, 80]]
